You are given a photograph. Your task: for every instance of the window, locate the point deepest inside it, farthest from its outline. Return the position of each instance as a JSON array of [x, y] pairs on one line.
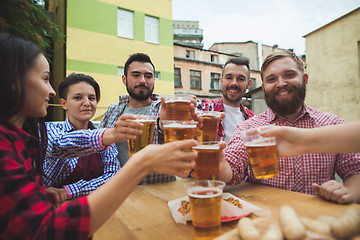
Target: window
[[214, 58], [157, 75], [125, 24], [190, 54], [195, 79], [177, 78], [253, 84], [215, 81], [151, 29]]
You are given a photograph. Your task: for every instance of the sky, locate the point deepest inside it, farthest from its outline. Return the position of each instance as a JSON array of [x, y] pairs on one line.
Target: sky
[[270, 22]]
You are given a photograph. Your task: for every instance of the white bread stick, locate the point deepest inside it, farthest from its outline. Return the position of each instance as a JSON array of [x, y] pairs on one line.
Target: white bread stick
[[316, 226], [273, 233], [247, 230], [290, 224], [347, 225]]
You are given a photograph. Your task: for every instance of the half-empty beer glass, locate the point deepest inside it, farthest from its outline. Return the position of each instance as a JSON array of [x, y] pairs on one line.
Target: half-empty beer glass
[[146, 137], [262, 153], [210, 125], [205, 205], [178, 107]]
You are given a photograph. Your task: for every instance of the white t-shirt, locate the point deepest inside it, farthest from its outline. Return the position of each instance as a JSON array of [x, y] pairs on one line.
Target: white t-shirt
[[233, 116]]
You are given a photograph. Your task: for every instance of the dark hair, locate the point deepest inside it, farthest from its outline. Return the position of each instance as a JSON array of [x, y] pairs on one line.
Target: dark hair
[[282, 54], [77, 78], [241, 60], [137, 57], [16, 58]]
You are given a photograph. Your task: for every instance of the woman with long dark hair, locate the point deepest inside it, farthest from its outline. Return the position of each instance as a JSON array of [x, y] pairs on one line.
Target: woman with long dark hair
[[25, 212]]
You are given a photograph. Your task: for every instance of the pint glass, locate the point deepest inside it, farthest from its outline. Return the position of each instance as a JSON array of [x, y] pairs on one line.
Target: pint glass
[[205, 205], [146, 137], [207, 162], [178, 107], [179, 130], [262, 153], [210, 125]]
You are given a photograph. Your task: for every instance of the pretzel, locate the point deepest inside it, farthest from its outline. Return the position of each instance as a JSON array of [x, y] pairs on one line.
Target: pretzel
[[234, 202]]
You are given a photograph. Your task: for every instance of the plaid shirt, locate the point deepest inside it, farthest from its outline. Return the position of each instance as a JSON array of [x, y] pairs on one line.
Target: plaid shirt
[[25, 212], [58, 169], [218, 106], [295, 173], [115, 110]]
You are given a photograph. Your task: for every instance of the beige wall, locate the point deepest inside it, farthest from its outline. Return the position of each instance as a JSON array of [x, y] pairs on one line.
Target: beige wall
[[332, 56]]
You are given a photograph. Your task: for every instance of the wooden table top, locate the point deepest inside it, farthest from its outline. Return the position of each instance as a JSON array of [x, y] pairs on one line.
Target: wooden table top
[[145, 213]]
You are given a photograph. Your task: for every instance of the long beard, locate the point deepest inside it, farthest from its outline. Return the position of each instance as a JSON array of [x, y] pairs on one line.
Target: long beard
[[289, 107], [141, 95]]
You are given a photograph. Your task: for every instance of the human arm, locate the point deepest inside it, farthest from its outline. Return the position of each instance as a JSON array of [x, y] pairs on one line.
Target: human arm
[[63, 143], [167, 158], [339, 138], [349, 192]]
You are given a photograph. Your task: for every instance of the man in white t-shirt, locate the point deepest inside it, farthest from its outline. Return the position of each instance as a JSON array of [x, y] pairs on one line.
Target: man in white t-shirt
[[235, 81]]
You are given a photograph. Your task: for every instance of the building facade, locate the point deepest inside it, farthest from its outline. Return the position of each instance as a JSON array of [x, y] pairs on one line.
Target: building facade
[[188, 33], [101, 34], [333, 64]]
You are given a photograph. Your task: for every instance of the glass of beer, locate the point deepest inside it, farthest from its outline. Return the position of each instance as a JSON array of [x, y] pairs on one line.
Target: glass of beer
[[178, 107], [179, 130], [262, 153], [210, 125], [207, 162], [205, 205], [146, 137]]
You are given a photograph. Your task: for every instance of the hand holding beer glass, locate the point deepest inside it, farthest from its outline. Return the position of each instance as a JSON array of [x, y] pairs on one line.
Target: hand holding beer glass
[[210, 127], [179, 130], [262, 153], [205, 205], [146, 137]]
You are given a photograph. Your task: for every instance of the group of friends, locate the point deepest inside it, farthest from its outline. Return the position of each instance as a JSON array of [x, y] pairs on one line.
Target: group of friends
[[64, 180]]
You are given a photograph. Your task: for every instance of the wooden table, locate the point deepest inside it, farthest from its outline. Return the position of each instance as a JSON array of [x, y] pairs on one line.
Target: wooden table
[[146, 215]]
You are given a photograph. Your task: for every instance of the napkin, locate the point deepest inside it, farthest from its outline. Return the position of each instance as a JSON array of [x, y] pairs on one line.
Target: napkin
[[228, 210]]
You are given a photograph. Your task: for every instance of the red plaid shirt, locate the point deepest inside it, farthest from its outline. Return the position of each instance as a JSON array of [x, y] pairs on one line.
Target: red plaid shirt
[[25, 212], [218, 106], [296, 173]]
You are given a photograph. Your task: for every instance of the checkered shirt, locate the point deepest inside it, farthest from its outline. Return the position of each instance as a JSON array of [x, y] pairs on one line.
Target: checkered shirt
[[218, 106], [295, 173], [115, 110], [25, 212], [58, 169]]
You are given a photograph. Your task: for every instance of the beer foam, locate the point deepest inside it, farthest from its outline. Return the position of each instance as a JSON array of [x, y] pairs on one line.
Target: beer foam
[[178, 100], [192, 192], [207, 147], [143, 120], [178, 125], [259, 143]]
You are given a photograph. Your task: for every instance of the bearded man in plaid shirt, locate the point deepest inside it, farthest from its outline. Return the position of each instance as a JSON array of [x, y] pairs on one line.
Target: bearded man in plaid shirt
[[284, 84]]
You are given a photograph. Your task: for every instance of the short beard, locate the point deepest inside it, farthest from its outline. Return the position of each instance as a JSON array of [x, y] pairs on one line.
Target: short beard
[[142, 95], [231, 100], [289, 107]]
